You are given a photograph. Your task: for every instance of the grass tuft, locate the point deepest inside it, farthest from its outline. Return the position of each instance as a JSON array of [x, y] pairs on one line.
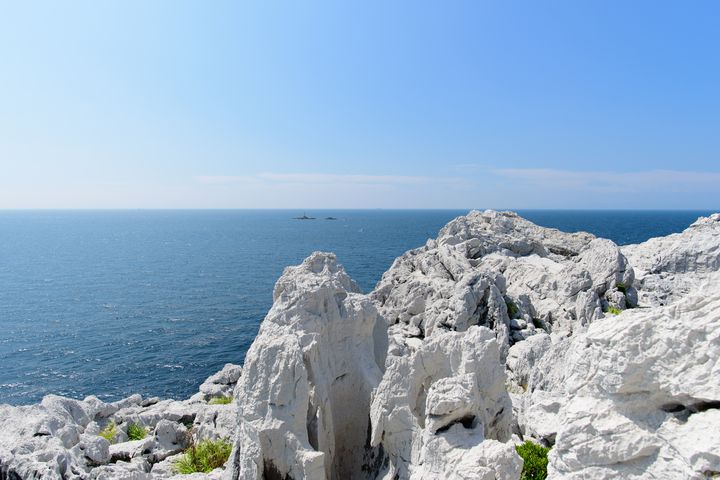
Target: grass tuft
[[538, 323], [535, 461], [512, 309], [614, 311], [203, 457], [136, 432], [109, 432], [221, 400]]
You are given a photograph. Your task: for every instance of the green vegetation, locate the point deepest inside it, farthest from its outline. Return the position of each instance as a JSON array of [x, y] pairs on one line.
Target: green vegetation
[[538, 323], [221, 400], [109, 432], [535, 458], [614, 311], [136, 432], [512, 309], [204, 457]]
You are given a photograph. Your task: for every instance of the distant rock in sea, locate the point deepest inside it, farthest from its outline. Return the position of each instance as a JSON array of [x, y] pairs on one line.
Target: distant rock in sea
[[495, 333]]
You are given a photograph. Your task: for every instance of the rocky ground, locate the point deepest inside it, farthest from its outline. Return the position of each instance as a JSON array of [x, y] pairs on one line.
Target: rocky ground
[[60, 437], [496, 332]]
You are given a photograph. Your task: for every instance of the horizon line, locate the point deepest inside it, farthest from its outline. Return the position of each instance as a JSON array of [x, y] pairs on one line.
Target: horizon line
[[315, 209]]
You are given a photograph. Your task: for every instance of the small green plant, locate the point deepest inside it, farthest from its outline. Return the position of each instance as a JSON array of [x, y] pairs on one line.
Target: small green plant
[[109, 432], [538, 323], [614, 311], [535, 461], [203, 457], [221, 400], [621, 288], [512, 309], [136, 432]]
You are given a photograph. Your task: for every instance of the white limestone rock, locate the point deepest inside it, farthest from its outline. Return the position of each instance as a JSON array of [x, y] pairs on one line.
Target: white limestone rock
[[96, 450], [627, 392], [126, 451], [670, 267], [305, 390], [216, 422], [448, 387], [137, 469], [170, 438], [221, 384], [59, 437], [306, 404], [166, 467], [522, 358], [459, 454], [46, 440], [486, 263]]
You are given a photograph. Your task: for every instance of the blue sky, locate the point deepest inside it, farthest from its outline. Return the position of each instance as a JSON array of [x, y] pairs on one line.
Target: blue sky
[[135, 104]]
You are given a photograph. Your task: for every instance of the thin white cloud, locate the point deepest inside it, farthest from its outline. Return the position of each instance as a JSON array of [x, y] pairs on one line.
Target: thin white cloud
[[328, 178], [222, 179], [612, 181]]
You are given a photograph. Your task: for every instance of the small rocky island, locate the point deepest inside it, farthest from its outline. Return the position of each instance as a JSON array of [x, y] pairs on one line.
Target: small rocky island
[[496, 333]]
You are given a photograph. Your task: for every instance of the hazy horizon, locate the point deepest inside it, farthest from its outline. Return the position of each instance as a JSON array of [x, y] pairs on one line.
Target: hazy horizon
[[169, 105]]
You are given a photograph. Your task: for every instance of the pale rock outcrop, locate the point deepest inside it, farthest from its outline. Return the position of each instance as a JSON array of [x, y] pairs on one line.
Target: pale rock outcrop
[[439, 403], [633, 394], [59, 437], [220, 384], [522, 358], [304, 396], [499, 270], [670, 267], [315, 404]]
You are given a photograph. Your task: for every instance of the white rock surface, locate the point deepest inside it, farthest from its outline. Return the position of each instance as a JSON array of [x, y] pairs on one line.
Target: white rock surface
[[447, 391], [307, 408], [669, 268], [630, 390], [304, 396], [59, 437], [486, 263]]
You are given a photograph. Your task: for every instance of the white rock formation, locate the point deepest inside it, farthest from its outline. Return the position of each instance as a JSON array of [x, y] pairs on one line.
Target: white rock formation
[[670, 267], [439, 407], [58, 438], [635, 392], [499, 270], [305, 395]]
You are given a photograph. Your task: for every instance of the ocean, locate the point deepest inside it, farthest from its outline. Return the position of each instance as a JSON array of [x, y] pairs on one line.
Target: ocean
[[112, 303]]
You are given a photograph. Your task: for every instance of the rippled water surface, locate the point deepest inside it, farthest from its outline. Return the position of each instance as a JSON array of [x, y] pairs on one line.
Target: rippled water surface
[[117, 302]]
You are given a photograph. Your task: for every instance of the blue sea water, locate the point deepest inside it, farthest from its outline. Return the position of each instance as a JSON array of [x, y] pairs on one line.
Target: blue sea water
[[116, 302]]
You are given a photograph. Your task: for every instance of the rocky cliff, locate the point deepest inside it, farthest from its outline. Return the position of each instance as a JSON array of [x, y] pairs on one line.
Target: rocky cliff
[[497, 332]]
